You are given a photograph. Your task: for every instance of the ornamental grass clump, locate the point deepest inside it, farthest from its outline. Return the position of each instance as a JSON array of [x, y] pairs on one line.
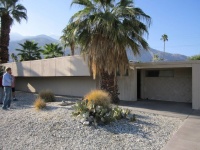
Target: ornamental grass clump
[[98, 97], [39, 103], [97, 112], [47, 96]]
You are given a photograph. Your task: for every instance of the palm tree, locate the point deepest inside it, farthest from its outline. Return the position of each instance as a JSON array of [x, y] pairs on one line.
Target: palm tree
[[105, 29], [14, 57], [69, 38], [29, 51], [52, 50], [194, 57], [10, 10], [164, 38]]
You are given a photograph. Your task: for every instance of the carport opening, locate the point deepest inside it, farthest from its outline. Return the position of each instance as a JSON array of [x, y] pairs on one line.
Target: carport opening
[[165, 84]]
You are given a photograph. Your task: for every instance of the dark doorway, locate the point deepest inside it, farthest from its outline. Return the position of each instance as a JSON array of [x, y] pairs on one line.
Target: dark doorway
[[139, 84]]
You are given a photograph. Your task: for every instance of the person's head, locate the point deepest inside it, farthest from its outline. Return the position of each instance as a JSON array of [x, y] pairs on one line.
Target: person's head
[[8, 70]]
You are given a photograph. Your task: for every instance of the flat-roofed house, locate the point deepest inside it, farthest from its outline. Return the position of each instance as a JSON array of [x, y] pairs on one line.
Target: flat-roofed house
[[70, 75]]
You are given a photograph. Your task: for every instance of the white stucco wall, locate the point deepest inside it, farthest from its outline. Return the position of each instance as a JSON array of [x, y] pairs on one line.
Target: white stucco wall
[[65, 76], [128, 86], [196, 86], [60, 66], [73, 86]]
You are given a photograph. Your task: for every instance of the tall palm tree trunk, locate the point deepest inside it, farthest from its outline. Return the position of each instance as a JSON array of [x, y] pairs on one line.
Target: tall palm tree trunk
[[164, 52], [5, 38], [109, 84]]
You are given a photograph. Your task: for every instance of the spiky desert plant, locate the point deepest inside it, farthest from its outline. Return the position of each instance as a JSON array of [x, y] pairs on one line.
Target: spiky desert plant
[[39, 103], [47, 96], [100, 115], [98, 98]]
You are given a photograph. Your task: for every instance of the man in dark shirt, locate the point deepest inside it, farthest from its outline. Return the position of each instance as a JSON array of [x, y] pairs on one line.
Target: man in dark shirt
[[1, 91]]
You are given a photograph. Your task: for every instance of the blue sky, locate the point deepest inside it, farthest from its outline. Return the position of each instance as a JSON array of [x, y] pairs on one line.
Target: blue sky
[[179, 19]]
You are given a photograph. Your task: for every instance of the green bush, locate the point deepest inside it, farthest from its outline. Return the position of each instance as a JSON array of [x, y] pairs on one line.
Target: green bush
[[47, 96], [96, 114]]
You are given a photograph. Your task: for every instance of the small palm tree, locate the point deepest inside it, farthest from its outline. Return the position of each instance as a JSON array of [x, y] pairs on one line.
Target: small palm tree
[[14, 57], [29, 51], [69, 38], [164, 38], [10, 10], [52, 50], [104, 30]]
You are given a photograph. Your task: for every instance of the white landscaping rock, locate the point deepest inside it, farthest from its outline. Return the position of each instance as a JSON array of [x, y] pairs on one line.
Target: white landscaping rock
[[24, 128], [86, 123]]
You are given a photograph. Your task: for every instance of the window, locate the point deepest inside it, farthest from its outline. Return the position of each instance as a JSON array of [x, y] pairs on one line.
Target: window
[[152, 73], [159, 73]]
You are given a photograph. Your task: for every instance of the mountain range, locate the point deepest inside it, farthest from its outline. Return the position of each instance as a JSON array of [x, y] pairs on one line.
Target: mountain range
[[145, 56]]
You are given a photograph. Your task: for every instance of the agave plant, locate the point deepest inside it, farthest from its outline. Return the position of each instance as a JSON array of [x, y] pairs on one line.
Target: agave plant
[[99, 115]]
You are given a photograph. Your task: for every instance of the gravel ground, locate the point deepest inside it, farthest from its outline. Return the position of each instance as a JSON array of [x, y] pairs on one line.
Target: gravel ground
[[24, 128]]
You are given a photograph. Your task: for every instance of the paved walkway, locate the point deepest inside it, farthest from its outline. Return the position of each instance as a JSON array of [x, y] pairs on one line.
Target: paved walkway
[[188, 136]]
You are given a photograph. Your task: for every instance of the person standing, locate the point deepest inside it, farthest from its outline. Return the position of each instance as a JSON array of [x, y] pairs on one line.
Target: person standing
[[13, 88], [1, 91], [7, 83]]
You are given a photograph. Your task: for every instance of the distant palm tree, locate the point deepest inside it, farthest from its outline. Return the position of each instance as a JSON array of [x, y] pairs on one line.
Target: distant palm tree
[[14, 57], [29, 51], [69, 38], [195, 57], [10, 10], [155, 58], [104, 30], [164, 38], [52, 50]]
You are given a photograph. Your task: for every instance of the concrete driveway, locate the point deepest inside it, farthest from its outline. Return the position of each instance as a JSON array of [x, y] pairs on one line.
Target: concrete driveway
[[188, 136], [173, 109]]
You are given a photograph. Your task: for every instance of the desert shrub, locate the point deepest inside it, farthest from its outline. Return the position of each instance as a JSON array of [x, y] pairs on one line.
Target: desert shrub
[[47, 96], [98, 97], [96, 114], [39, 103]]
